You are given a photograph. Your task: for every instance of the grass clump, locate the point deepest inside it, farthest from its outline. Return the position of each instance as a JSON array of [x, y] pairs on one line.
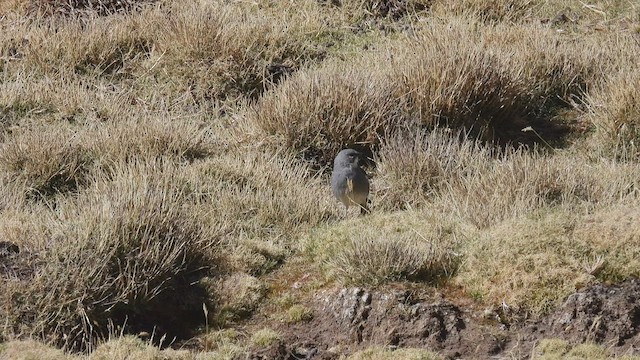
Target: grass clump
[[46, 161], [276, 194], [414, 246], [239, 295], [132, 259], [386, 8], [520, 182], [412, 168], [87, 7], [614, 112], [131, 347], [378, 353], [456, 73], [226, 51], [148, 137], [328, 108], [551, 349], [298, 313], [264, 338]]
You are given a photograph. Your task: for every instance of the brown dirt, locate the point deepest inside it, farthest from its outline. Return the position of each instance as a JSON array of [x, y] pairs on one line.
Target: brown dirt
[[349, 319]]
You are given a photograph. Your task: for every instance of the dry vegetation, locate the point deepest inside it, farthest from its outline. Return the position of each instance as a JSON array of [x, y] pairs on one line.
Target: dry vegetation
[[160, 159]]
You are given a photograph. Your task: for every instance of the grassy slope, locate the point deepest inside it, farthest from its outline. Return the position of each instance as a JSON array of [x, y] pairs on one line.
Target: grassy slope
[[176, 157]]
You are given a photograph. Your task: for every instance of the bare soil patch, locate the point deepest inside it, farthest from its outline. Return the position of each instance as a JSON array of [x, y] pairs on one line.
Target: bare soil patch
[[350, 319]]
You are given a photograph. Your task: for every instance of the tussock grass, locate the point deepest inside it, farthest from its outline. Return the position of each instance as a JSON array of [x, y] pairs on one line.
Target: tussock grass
[[46, 162], [491, 80], [330, 108], [238, 296], [489, 10], [130, 347], [51, 159], [414, 246], [270, 190], [298, 313], [276, 197], [385, 8], [84, 7], [411, 168], [520, 183], [120, 250], [150, 137], [614, 111], [206, 51], [485, 185]]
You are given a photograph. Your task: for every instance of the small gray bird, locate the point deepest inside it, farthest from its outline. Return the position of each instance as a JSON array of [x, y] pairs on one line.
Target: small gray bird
[[348, 181]]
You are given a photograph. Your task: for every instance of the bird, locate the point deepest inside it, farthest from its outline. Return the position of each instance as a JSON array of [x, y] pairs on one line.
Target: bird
[[349, 182]]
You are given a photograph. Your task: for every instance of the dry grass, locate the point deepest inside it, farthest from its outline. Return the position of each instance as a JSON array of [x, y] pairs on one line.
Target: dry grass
[[551, 349], [459, 73], [540, 259], [323, 110], [45, 162], [158, 156], [198, 51], [412, 246], [378, 353], [240, 294], [264, 338], [118, 251], [412, 168], [614, 112], [519, 183]]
